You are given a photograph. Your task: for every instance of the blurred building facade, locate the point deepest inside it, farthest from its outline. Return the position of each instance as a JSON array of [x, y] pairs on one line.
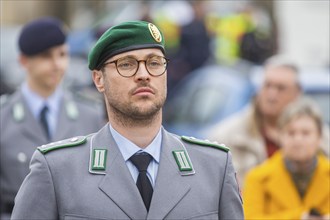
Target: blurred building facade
[[302, 26], [20, 11]]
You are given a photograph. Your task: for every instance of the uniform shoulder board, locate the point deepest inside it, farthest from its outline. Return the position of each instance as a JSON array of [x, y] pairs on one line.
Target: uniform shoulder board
[[205, 143], [71, 142]]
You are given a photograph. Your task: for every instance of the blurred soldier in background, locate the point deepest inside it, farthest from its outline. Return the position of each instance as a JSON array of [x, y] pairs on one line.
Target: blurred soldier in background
[[40, 111], [294, 182], [252, 133]]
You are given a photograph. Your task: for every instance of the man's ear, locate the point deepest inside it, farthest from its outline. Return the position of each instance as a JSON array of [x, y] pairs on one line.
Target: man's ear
[[23, 60], [98, 80]]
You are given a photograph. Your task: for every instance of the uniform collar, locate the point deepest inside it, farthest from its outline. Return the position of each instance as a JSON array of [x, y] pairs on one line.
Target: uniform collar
[[127, 148], [36, 102]]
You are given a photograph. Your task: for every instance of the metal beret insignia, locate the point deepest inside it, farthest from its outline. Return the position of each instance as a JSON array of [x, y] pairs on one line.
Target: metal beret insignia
[[155, 33]]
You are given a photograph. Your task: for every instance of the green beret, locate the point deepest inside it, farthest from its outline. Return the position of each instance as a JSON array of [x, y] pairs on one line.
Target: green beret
[[125, 37]]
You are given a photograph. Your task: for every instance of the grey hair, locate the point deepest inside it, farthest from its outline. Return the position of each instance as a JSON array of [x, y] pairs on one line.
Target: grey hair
[[280, 61]]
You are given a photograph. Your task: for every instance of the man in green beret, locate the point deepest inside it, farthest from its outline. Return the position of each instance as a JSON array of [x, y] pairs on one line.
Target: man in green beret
[[132, 168]]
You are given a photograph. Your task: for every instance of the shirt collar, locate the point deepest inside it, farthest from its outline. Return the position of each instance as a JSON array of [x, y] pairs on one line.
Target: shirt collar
[[128, 149], [36, 102]]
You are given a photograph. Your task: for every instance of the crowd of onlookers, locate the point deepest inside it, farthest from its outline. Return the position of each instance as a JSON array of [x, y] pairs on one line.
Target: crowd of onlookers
[[280, 147], [294, 182]]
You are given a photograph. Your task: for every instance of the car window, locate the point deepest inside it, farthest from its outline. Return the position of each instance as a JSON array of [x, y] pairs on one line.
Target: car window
[[205, 103], [323, 101]]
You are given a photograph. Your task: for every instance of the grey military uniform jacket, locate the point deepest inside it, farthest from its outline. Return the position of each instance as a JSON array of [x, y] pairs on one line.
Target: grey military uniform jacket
[[70, 183], [21, 133]]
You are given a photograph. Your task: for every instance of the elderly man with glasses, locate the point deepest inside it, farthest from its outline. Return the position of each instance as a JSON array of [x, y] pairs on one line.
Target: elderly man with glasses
[[132, 168]]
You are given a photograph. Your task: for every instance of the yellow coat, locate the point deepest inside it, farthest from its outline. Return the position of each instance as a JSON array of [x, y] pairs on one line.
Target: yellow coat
[[270, 193]]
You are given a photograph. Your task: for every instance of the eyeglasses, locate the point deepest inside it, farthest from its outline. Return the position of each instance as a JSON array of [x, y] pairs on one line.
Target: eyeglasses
[[128, 66]]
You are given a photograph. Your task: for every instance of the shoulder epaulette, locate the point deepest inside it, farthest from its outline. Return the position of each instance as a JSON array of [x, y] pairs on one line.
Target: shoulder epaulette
[[71, 142], [205, 143]]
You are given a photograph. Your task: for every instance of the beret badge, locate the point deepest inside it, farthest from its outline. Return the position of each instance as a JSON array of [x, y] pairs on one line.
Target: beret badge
[[155, 33]]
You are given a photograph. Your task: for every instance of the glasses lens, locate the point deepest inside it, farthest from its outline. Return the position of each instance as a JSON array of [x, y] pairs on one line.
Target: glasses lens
[[156, 65], [127, 66]]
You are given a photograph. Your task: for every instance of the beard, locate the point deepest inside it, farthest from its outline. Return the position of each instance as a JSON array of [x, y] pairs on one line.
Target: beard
[[134, 113]]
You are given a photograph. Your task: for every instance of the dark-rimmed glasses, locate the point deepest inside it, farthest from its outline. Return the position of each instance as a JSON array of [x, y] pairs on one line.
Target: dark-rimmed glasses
[[128, 66]]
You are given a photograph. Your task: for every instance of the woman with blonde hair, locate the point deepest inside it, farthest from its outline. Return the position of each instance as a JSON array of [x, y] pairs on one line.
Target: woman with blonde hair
[[294, 182]]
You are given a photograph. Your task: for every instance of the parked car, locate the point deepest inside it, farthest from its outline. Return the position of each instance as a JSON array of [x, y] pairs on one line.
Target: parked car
[[316, 84], [205, 97]]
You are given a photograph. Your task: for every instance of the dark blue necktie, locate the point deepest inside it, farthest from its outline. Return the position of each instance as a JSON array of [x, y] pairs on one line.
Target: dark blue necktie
[[141, 161], [44, 122]]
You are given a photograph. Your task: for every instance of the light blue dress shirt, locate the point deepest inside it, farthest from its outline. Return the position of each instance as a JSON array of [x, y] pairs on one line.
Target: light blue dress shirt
[[35, 102], [128, 149]]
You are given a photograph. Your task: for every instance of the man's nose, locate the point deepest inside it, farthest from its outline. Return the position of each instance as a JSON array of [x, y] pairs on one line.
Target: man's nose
[[142, 72]]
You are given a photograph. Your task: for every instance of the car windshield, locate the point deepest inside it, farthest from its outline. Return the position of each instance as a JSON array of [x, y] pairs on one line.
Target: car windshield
[[202, 107], [322, 99]]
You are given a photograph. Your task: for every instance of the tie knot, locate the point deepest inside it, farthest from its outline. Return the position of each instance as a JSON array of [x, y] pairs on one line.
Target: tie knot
[[141, 161]]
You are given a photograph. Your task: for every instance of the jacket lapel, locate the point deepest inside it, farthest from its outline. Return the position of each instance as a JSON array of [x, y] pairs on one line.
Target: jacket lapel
[[319, 183], [27, 123], [281, 187], [170, 186], [118, 183], [68, 114]]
